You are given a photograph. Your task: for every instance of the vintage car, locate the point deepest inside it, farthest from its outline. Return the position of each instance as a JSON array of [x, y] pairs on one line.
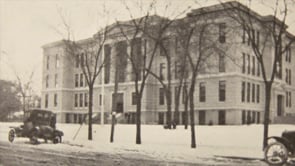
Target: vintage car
[[281, 149], [38, 124]]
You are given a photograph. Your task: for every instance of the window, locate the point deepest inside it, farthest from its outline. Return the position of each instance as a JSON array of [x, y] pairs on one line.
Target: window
[[253, 65], [77, 60], [184, 94], [244, 35], [177, 70], [121, 60], [100, 99], [81, 100], [76, 80], [47, 81], [56, 80], [82, 60], [257, 38], [244, 63], [243, 117], [56, 61], [107, 54], [288, 54], [76, 100], [221, 63], [288, 99], [248, 91], [222, 88], [162, 67], [47, 62], [81, 80], [253, 93], [161, 96], [86, 100], [257, 93], [46, 101], [222, 37], [249, 61], [134, 98], [202, 92], [243, 91], [55, 100]]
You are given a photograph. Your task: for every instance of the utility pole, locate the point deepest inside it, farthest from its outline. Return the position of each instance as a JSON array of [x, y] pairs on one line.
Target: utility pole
[[102, 90]]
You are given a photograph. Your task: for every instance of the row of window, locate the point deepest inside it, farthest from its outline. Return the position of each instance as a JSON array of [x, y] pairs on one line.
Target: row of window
[[202, 92], [56, 61], [249, 117], [250, 66], [79, 98], [288, 99], [250, 92], [288, 76], [79, 81], [55, 100], [251, 35], [55, 80]]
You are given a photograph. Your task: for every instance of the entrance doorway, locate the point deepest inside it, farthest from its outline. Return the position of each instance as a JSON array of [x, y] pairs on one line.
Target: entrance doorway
[[202, 117], [119, 102], [221, 117]]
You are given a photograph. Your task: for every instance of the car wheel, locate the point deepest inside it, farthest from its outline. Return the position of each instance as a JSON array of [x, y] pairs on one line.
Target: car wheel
[[57, 139], [276, 154], [11, 135]]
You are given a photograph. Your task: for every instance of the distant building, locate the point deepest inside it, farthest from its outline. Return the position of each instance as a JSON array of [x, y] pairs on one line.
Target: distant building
[[228, 91]]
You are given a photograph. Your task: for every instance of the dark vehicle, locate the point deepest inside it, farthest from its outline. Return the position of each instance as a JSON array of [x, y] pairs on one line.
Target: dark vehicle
[[37, 124], [278, 152]]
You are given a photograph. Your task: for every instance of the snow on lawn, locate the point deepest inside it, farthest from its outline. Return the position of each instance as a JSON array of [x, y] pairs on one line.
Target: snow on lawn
[[236, 141]]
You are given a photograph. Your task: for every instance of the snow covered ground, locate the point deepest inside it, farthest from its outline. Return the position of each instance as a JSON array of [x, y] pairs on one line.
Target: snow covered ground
[[235, 141]]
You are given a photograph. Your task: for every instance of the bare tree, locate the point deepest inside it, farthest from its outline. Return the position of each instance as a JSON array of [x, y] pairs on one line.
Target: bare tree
[[87, 55], [273, 36]]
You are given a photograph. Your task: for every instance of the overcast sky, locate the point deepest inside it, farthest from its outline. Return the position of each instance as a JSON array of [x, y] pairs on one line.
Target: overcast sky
[[26, 25]]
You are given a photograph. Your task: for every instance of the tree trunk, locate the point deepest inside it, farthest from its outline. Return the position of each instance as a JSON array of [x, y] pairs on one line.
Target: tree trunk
[[268, 86], [90, 112], [185, 108], [176, 111], [114, 104], [168, 98], [192, 117], [138, 119]]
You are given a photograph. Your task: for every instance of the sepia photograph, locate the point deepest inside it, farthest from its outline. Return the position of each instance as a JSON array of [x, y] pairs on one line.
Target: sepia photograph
[[147, 82]]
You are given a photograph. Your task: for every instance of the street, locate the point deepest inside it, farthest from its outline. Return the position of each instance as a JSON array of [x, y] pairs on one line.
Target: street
[[25, 154]]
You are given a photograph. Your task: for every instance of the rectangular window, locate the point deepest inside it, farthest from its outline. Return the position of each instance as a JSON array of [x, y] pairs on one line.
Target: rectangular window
[[243, 117], [221, 63], [82, 60], [249, 63], [287, 76], [100, 99], [81, 100], [248, 91], [76, 100], [290, 99], [77, 60], [161, 96], [244, 63], [287, 99], [222, 91], [56, 61], [86, 100], [76, 80], [177, 70], [253, 65], [47, 62], [81, 80], [257, 38], [202, 92], [257, 93], [222, 38], [107, 55], [290, 78], [134, 98], [46, 101], [162, 68], [253, 93], [121, 60], [55, 100], [47, 81], [184, 94], [243, 91], [56, 80]]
